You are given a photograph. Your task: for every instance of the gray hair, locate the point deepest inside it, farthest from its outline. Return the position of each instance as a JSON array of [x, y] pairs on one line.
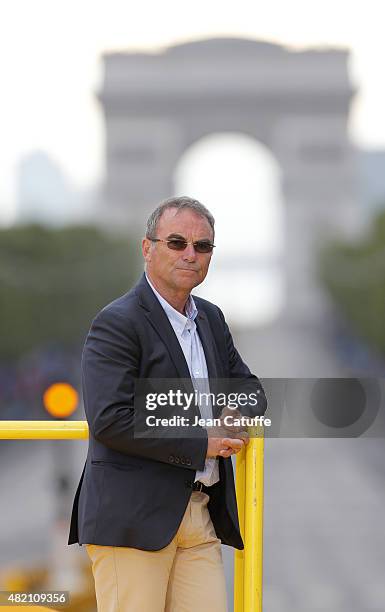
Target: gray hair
[[180, 203]]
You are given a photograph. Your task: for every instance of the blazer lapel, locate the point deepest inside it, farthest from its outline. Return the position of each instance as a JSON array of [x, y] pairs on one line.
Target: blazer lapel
[[211, 354], [206, 337], [159, 321]]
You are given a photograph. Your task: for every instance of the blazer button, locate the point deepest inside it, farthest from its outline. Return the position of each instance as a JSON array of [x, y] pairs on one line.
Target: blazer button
[[183, 461], [177, 460], [188, 461], [171, 458]]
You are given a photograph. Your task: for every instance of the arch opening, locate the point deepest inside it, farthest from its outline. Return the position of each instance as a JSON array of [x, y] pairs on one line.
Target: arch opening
[[238, 179]]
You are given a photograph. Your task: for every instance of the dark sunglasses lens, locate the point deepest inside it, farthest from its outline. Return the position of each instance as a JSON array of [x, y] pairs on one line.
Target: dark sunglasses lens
[[177, 245], [203, 247]]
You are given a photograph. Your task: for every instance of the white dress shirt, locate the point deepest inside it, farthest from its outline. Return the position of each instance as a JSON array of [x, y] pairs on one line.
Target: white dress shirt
[[186, 331]]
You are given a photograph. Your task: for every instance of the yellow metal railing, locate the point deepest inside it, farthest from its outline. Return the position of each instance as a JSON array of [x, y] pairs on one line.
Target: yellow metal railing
[[43, 430], [248, 571], [249, 488]]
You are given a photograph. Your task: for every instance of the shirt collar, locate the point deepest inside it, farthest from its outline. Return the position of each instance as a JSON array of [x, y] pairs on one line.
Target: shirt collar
[[176, 318]]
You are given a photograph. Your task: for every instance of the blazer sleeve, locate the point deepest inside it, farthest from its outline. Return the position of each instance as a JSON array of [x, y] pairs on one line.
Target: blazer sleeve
[[110, 364], [242, 380]]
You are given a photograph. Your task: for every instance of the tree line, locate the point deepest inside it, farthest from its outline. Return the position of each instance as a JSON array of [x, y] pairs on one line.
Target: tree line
[[54, 280]]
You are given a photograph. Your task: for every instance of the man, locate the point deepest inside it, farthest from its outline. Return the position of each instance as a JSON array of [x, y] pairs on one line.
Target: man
[[153, 511]]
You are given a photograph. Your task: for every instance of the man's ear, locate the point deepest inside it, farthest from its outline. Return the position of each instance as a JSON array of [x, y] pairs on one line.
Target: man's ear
[[146, 249]]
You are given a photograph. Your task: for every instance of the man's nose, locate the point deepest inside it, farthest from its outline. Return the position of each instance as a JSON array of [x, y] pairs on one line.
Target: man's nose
[[189, 253]]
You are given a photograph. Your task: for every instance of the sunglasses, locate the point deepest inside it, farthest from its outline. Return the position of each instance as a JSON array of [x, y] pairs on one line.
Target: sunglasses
[[178, 244]]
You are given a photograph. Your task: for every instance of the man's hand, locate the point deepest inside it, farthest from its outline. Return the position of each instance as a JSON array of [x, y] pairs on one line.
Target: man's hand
[[226, 439], [225, 447]]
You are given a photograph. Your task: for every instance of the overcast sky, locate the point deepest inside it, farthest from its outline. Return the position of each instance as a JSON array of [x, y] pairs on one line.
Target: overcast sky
[[50, 65]]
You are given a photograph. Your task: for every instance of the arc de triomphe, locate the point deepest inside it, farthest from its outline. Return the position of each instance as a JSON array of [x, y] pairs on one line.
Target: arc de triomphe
[[294, 102]]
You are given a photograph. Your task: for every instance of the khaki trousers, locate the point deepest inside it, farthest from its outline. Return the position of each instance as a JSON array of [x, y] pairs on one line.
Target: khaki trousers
[[185, 576]]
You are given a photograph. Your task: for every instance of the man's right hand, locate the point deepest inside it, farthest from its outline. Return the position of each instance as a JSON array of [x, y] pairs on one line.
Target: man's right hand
[[224, 447], [226, 440]]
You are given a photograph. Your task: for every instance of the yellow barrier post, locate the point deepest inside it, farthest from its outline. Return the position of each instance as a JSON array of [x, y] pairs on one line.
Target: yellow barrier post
[[240, 487], [253, 564], [248, 575]]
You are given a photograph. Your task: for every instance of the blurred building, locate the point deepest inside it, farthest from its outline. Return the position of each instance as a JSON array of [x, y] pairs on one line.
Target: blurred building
[[371, 168], [296, 103]]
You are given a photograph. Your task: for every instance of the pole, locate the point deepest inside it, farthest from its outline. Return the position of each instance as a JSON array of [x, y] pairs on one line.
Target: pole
[[248, 574]]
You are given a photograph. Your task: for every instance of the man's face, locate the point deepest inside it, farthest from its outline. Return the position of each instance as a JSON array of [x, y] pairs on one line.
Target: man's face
[[178, 270]]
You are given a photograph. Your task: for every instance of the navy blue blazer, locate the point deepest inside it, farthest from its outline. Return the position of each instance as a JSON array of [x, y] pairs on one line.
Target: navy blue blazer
[[134, 490]]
